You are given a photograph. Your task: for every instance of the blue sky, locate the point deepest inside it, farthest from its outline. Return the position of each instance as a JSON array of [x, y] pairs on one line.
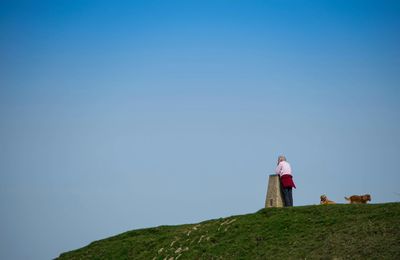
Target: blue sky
[[118, 115]]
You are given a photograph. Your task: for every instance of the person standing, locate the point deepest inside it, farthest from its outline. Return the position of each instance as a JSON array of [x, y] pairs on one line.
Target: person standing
[[284, 171]]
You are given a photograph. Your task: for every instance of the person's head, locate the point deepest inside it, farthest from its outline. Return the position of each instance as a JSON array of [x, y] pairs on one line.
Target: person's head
[[281, 158]]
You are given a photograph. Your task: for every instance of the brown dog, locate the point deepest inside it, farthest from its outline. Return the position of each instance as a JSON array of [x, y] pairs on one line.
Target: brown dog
[[362, 199], [325, 201]]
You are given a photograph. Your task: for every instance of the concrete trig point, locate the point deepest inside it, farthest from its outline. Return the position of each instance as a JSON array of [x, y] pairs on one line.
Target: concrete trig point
[[274, 195]]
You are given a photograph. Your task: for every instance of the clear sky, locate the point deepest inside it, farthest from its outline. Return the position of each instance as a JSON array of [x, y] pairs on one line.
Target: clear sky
[[118, 115]]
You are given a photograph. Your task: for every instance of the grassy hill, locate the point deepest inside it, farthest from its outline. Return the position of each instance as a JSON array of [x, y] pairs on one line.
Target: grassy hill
[[307, 232]]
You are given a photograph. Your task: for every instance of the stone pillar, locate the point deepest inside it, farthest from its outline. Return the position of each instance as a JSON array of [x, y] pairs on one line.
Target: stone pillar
[[274, 194]]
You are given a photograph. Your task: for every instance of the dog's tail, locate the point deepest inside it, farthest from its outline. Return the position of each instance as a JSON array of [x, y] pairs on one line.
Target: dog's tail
[[346, 198]]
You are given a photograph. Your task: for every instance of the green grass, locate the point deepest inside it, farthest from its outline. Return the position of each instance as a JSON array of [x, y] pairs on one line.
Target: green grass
[[308, 232]]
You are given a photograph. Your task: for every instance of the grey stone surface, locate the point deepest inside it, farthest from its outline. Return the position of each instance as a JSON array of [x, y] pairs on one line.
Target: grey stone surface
[[274, 195]]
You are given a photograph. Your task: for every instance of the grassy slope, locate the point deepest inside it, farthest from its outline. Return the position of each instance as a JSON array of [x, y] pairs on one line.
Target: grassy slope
[[334, 231]]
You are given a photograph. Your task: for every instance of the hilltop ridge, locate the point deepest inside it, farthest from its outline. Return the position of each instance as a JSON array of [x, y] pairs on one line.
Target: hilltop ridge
[[340, 231]]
